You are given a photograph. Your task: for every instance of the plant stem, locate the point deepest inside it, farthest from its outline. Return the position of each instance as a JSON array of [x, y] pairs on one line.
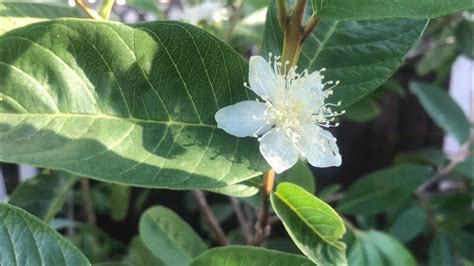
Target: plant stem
[[244, 223], [235, 20], [89, 211], [210, 217], [262, 227], [106, 9], [91, 13]]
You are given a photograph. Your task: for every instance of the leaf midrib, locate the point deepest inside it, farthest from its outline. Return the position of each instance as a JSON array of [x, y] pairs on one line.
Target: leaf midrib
[[119, 118]]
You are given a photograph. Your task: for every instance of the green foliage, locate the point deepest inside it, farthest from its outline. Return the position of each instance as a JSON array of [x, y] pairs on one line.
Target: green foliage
[[119, 201], [360, 54], [300, 175], [465, 168], [443, 110], [440, 55], [44, 195], [362, 9], [170, 238], [26, 240], [245, 255], [423, 156], [409, 224], [384, 189], [464, 42], [17, 14], [141, 255], [129, 105], [441, 252], [245, 189], [362, 111], [312, 224], [377, 248]]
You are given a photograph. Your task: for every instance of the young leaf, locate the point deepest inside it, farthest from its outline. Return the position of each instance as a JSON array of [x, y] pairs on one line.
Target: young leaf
[[132, 105], [170, 238], [44, 195], [377, 248], [360, 54], [384, 189], [312, 224], [245, 255], [362, 9], [444, 111], [26, 240], [17, 14]]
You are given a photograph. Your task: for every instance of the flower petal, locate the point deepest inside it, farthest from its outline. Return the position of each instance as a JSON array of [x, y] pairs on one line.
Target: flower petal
[[319, 147], [263, 80], [310, 90], [243, 119], [279, 152]]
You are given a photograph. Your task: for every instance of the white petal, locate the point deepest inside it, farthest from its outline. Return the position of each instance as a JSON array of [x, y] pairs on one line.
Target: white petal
[[319, 147], [279, 152], [307, 85], [243, 119], [263, 80]]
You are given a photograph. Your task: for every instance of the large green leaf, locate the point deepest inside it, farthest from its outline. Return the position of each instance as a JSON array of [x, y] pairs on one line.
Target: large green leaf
[[409, 224], [384, 189], [17, 14], [124, 104], [360, 54], [25, 240], [44, 195], [312, 224], [444, 111], [363, 9], [241, 255], [377, 248], [170, 238]]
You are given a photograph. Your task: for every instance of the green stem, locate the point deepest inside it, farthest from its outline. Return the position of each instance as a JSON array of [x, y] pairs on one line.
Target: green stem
[[106, 9]]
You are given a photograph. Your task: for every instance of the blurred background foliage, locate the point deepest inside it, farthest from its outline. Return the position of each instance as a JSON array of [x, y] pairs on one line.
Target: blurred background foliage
[[405, 192]]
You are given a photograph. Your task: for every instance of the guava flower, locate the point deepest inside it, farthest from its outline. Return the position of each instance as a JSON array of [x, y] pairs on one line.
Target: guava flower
[[291, 118]]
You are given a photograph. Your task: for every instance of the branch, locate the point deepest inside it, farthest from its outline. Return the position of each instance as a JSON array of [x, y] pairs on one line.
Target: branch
[[235, 20], [89, 211], [310, 25], [210, 217], [262, 227], [283, 14], [244, 224], [91, 13]]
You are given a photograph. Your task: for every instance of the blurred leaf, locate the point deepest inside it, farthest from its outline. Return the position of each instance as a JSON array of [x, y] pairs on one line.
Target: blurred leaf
[[145, 6], [112, 263], [360, 54], [362, 9], [119, 201], [465, 168], [431, 156], [464, 32], [44, 195], [362, 111], [462, 242], [380, 249], [327, 192], [26, 240], [283, 244], [452, 211], [376, 192], [129, 110], [409, 224], [441, 253], [300, 175], [444, 111], [245, 255], [170, 238], [311, 223], [436, 57], [222, 211], [141, 255], [16, 14]]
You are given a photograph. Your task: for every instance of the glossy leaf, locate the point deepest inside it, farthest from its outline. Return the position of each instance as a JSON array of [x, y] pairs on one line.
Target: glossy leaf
[[245, 255], [125, 104], [300, 174], [44, 195], [377, 248], [409, 224], [384, 189], [360, 54], [17, 14], [362, 9], [443, 110], [170, 238], [26, 240], [311, 223]]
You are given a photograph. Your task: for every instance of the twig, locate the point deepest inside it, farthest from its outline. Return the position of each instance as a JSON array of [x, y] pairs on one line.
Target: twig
[[87, 201], [235, 19], [262, 227], [283, 14], [244, 223], [91, 13], [310, 25], [210, 217], [106, 9]]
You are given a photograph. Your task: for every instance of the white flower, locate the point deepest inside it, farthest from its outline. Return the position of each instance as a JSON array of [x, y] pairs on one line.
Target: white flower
[[291, 118]]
